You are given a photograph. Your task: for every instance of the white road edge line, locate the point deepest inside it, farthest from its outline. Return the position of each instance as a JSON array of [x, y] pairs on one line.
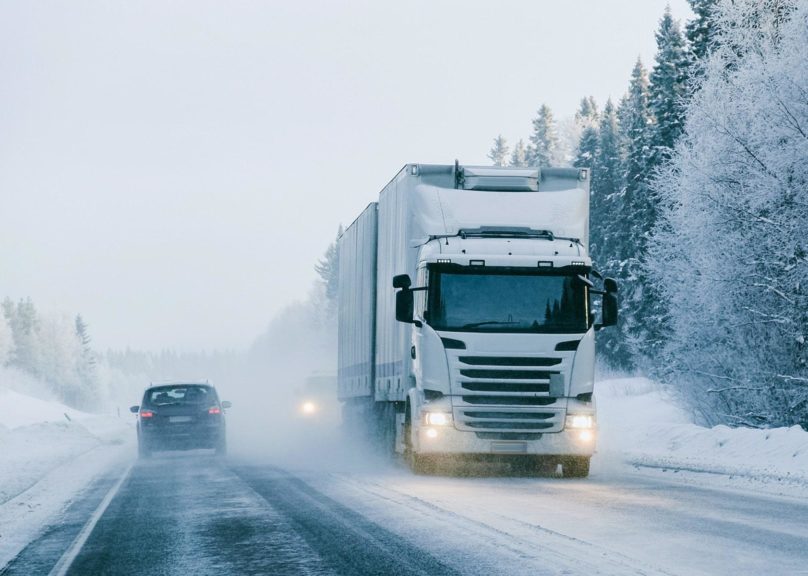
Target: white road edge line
[[64, 563]]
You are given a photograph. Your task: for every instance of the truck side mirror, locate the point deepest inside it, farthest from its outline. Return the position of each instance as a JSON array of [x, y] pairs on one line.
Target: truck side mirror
[[610, 302], [405, 305], [402, 281]]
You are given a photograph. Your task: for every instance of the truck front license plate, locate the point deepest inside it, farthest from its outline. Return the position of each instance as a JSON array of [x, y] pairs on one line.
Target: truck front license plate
[[509, 447]]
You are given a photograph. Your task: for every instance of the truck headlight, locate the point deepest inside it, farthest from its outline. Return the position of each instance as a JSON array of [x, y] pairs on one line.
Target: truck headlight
[[580, 421], [438, 418]]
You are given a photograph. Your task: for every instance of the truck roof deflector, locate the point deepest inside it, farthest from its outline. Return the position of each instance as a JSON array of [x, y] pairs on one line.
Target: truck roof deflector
[[505, 232]]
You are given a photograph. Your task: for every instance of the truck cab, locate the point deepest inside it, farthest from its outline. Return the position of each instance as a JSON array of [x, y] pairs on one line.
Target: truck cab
[[502, 348]]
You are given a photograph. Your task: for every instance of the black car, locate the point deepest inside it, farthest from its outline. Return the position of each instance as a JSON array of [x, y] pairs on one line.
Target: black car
[[180, 417]]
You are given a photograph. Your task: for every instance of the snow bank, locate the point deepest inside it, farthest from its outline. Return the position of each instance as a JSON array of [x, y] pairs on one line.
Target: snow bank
[[20, 410], [641, 424], [49, 453], [38, 435]]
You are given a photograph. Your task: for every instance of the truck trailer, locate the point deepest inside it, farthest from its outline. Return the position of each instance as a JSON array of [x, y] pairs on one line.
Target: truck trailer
[[466, 322]]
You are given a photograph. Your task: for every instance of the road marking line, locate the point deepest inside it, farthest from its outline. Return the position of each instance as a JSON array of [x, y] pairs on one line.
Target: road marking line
[[64, 563]]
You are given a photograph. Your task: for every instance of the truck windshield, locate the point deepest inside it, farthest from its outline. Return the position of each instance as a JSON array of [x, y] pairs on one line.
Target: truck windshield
[[506, 300]]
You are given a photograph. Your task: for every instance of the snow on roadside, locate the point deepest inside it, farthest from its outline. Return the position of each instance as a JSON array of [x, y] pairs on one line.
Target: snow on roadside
[[641, 424], [49, 453]]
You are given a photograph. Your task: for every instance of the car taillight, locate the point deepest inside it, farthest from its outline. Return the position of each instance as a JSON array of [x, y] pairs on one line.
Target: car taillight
[[146, 413], [214, 410]]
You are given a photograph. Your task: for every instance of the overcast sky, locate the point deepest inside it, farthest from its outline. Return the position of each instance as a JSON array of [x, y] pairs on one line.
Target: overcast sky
[[173, 170]]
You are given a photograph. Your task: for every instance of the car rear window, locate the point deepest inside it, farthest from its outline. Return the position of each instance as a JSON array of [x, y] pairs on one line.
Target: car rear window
[[180, 394]]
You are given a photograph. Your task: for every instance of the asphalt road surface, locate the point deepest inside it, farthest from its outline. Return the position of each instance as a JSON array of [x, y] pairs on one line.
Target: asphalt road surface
[[195, 514]]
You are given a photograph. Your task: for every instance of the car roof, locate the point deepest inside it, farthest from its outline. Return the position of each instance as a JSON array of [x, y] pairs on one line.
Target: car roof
[[178, 383]]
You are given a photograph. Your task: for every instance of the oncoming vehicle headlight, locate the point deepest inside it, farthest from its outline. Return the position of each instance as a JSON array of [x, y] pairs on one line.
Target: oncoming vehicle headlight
[[308, 408], [580, 421], [438, 418]]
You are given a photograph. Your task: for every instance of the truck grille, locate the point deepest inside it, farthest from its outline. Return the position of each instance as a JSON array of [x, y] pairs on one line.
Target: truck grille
[[508, 400], [508, 374], [500, 387], [508, 420], [505, 394], [508, 361]]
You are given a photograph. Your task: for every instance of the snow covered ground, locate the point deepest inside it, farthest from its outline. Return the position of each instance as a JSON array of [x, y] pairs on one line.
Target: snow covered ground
[[49, 453], [641, 425]]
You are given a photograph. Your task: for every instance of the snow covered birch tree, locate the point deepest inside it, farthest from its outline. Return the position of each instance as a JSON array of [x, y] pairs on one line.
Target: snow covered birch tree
[[730, 249]]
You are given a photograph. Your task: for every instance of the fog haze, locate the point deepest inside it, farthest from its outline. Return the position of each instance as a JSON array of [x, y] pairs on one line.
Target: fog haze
[[172, 171]]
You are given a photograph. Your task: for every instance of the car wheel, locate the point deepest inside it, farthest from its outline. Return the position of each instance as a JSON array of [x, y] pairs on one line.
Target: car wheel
[[143, 450], [221, 447]]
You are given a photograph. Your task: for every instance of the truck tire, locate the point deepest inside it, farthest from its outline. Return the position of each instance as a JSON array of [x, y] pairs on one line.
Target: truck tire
[[418, 463], [386, 428], [409, 456], [575, 466]]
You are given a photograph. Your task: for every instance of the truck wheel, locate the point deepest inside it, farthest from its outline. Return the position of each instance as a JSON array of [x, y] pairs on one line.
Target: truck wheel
[[418, 463], [575, 466], [386, 430]]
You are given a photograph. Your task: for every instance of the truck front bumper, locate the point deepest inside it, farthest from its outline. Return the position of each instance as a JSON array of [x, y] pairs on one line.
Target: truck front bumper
[[449, 440]]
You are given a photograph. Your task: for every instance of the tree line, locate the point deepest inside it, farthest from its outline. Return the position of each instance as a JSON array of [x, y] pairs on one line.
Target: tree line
[[699, 203], [54, 350], [53, 355]]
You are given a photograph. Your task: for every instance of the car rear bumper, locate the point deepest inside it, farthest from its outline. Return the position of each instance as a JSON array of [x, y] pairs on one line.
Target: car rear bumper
[[158, 438]]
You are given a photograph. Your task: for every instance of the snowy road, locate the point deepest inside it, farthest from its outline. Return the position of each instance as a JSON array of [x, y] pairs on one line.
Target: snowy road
[[195, 514]]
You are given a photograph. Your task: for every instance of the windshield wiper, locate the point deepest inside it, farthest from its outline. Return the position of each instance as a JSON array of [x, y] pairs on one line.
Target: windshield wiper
[[476, 324]]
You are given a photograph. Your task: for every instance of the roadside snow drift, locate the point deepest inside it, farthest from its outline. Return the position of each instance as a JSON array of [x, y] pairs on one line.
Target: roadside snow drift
[[49, 453], [641, 424]]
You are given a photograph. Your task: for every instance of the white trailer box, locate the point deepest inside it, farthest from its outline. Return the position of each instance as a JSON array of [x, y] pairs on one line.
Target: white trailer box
[[357, 307]]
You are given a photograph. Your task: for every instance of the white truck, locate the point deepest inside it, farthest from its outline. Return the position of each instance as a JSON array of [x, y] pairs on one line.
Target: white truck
[[465, 317]]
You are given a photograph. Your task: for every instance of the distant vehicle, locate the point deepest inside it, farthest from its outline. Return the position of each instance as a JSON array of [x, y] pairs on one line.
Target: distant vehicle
[[180, 416], [316, 398]]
